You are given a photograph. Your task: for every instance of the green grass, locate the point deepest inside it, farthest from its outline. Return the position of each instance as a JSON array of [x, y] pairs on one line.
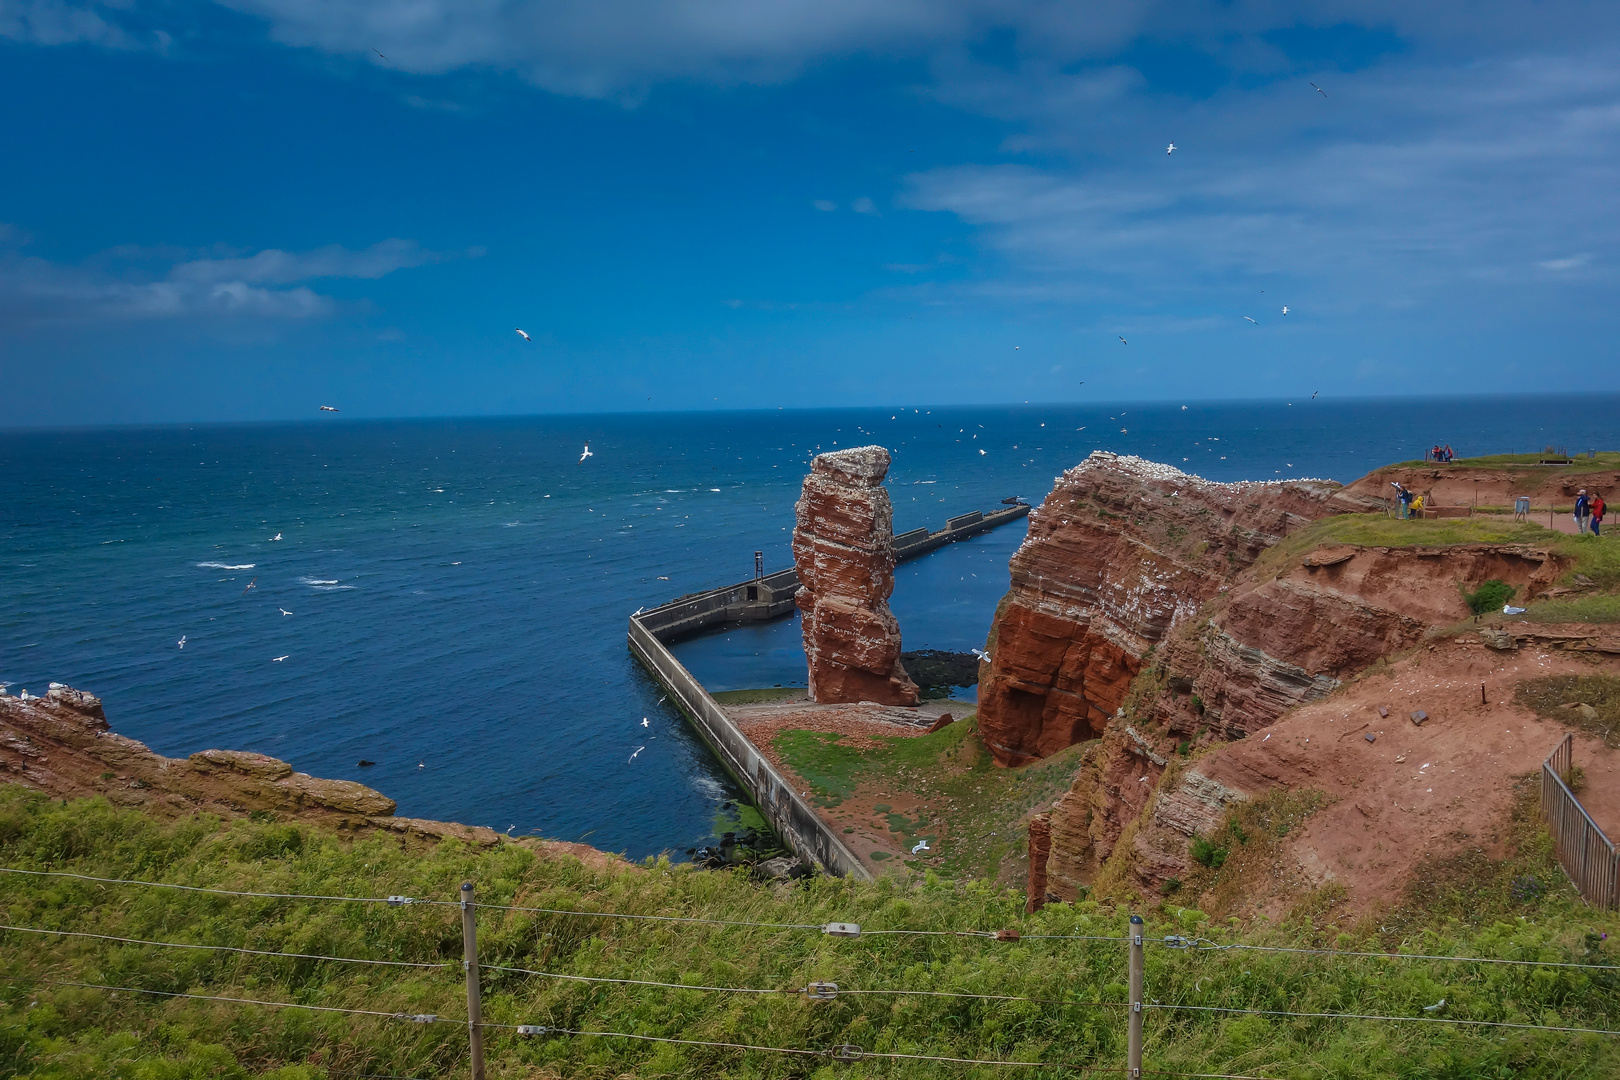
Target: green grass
[[766, 696], [51, 1030], [982, 805], [1603, 608], [1605, 461]]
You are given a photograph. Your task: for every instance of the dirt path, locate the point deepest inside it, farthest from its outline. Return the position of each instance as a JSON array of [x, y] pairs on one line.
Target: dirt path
[[1417, 791]]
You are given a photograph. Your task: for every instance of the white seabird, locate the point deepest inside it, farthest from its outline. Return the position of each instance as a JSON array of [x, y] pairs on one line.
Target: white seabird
[[1255, 321], [1170, 149], [279, 659], [922, 845], [632, 757], [1285, 309], [182, 641], [1122, 340], [284, 611], [1318, 89], [274, 538], [328, 408], [587, 452], [522, 335]]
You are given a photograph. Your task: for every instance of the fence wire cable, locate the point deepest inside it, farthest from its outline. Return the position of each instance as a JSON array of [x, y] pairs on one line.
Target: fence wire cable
[[1194, 945], [1393, 1019], [225, 948], [860, 1056], [232, 892], [840, 992], [649, 918], [268, 1004]]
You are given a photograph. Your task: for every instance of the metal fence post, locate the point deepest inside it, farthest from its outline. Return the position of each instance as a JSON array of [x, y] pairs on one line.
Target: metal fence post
[[469, 961], [1134, 1047]]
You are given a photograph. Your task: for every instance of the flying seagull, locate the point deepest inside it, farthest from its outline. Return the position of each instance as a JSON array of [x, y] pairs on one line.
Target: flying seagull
[[1122, 341], [644, 722], [981, 453], [250, 585], [379, 54], [1318, 89], [182, 642], [587, 452], [1170, 149], [274, 538], [522, 335], [1285, 309], [1314, 393], [632, 757], [278, 659], [1015, 349], [1251, 320], [328, 408], [284, 611]]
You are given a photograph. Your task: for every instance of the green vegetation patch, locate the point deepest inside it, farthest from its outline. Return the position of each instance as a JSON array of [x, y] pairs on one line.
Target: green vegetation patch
[[1601, 608], [76, 1033], [1561, 698], [1605, 460], [972, 811], [767, 696], [1490, 596]]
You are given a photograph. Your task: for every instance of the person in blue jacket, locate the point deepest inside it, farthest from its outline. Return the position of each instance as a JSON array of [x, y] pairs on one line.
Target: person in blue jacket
[[1583, 512]]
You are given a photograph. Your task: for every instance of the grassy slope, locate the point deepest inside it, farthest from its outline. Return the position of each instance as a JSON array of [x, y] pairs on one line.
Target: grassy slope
[[1598, 558], [1606, 461], [979, 807], [52, 1030]]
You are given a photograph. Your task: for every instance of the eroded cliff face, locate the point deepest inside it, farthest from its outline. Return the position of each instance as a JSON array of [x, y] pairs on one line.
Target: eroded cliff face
[[1284, 632], [844, 552], [1121, 553]]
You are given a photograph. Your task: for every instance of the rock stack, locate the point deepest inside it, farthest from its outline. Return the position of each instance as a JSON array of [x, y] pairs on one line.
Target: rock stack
[[843, 548]]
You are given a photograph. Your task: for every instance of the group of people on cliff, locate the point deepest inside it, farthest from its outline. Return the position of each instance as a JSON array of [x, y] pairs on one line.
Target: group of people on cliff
[[1440, 453], [1408, 503], [1589, 512]]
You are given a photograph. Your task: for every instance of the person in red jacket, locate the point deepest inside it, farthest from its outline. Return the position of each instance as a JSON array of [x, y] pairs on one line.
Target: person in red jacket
[[1597, 514]]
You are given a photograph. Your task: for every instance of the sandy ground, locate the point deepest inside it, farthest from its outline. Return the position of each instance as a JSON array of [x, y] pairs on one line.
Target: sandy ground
[[1417, 791]]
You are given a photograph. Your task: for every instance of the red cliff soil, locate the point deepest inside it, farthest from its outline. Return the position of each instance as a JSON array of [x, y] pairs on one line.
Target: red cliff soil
[[61, 745], [1414, 794], [844, 552], [1118, 555]]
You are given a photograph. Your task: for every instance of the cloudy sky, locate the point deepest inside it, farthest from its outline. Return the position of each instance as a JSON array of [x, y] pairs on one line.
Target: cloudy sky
[[244, 209]]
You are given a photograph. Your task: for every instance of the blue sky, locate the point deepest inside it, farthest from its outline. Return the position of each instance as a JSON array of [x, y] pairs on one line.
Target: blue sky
[[242, 210]]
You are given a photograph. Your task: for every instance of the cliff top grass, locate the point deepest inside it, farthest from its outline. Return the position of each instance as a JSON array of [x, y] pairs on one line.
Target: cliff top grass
[[51, 1029], [1595, 558], [1605, 460]]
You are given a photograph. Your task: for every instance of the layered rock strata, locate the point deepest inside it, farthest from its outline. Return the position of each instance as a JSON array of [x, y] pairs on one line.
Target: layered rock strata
[[1121, 553], [843, 550]]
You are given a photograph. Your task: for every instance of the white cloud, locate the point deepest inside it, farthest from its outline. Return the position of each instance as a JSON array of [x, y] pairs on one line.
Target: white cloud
[[54, 22], [864, 205], [825, 205], [108, 287], [1571, 263]]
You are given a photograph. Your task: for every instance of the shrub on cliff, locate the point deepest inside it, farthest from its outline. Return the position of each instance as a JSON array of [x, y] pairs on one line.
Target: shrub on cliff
[[1490, 596]]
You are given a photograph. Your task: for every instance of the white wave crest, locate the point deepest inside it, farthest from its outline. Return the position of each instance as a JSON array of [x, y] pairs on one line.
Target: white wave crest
[[323, 584], [226, 566]]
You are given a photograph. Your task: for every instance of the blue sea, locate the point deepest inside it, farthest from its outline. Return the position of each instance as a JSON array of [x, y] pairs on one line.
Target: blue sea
[[448, 598]]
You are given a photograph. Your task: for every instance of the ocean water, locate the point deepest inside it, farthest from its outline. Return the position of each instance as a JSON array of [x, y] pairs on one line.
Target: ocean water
[[455, 591]]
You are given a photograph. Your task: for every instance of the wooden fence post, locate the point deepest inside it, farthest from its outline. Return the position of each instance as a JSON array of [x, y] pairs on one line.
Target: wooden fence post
[[1134, 1046], [469, 961]]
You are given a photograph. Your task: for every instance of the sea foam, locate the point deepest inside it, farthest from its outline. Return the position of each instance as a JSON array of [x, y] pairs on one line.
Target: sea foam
[[226, 566]]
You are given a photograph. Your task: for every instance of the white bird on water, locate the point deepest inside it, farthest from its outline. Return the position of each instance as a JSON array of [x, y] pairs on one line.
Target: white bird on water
[[522, 335], [1170, 149], [644, 722], [274, 538], [587, 452], [284, 611], [182, 641], [278, 659], [981, 453]]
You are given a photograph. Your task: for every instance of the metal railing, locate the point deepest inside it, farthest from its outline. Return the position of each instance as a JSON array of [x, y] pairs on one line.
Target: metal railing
[[1586, 854]]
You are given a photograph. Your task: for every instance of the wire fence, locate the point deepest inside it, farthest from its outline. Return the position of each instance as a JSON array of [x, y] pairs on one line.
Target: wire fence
[[1137, 1007], [1586, 854]]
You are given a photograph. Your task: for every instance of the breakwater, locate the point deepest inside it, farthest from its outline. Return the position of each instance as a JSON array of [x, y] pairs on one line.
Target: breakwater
[[767, 596]]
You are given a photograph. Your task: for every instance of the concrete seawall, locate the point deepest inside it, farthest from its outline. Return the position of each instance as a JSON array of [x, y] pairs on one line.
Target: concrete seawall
[[790, 817], [769, 596]]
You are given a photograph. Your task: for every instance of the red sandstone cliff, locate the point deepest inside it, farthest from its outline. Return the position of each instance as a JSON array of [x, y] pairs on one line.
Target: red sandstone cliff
[[843, 550], [1119, 554]]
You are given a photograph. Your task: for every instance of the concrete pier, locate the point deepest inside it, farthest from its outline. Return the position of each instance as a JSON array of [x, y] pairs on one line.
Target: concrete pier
[[768, 596]]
